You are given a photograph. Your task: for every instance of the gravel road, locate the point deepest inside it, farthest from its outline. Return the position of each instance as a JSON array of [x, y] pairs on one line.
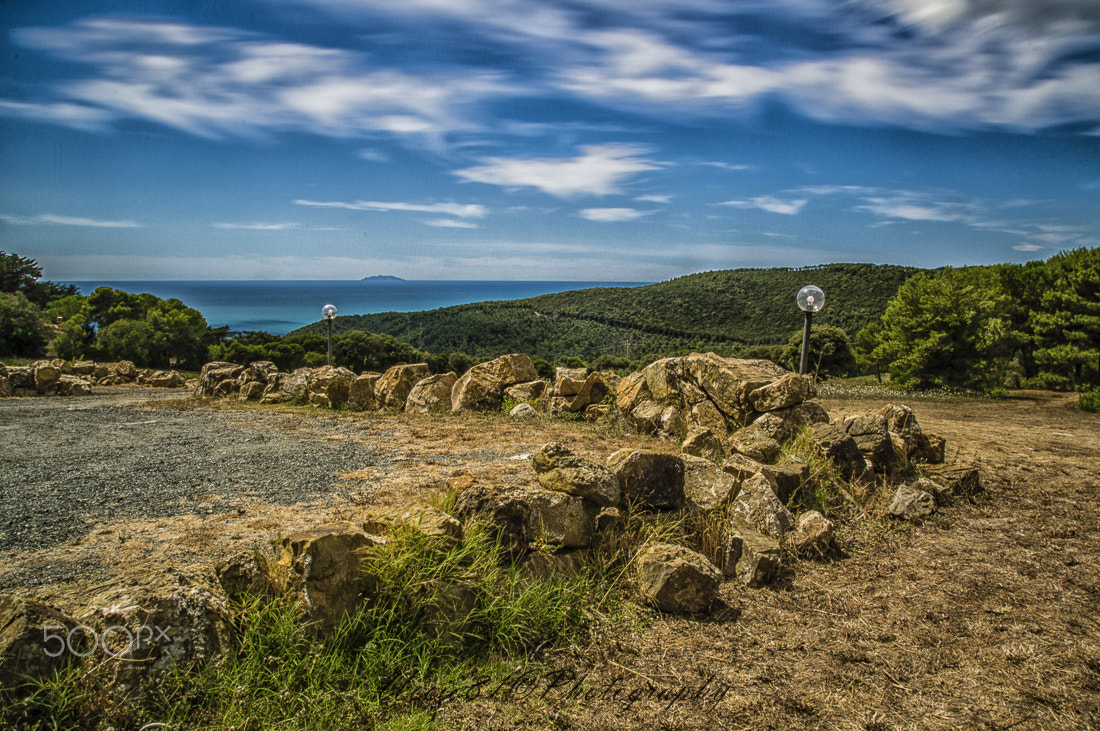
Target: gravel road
[[67, 464]]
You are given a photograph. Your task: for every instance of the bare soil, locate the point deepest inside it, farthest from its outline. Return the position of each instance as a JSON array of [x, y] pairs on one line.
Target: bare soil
[[985, 616]]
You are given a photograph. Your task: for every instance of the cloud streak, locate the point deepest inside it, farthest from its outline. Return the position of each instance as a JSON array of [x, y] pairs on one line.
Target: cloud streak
[[599, 170], [51, 219]]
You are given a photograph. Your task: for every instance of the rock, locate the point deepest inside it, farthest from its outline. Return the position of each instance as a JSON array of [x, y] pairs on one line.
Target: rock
[[21, 378], [168, 379], [941, 493], [262, 371], [560, 470], [839, 446], [73, 386], [5, 385], [325, 564], [240, 575], [424, 519], [706, 415], [630, 392], [592, 391], [728, 382], [647, 417], [649, 479], [251, 391], [662, 378], [568, 381], [431, 395], [126, 370], [505, 514], [550, 566], [787, 478], [391, 391], [757, 507], [26, 654], [789, 390], [706, 485], [329, 386], [813, 534], [671, 425], [83, 368], [523, 411], [873, 440], [910, 503], [675, 579], [361, 392], [482, 387], [212, 375], [701, 442], [558, 519], [286, 387], [596, 412], [529, 391], [963, 480], [46, 375], [753, 442], [753, 558], [741, 467]]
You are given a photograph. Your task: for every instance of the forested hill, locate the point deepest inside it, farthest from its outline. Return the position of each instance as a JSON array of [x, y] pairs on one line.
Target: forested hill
[[713, 310]]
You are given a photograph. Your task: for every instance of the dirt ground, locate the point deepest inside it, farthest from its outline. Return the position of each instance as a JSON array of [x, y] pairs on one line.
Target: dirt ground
[[985, 617]]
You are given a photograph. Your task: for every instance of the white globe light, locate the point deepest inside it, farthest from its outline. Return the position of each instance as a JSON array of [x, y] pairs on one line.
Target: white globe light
[[328, 312], [811, 299]]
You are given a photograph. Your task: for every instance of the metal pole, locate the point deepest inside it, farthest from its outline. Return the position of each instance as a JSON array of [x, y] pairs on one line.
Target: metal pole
[[805, 345], [329, 321]]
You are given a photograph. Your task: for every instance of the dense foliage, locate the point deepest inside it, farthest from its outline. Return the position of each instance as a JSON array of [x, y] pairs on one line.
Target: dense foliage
[[1036, 324], [23, 297]]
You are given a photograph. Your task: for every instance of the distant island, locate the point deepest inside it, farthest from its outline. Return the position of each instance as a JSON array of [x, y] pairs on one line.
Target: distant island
[[381, 278]]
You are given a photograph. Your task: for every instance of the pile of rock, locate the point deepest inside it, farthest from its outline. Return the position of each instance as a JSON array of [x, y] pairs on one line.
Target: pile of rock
[[61, 378]]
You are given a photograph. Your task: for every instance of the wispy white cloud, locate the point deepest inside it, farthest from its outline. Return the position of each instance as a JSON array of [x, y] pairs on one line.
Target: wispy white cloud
[[51, 219], [655, 198], [258, 226], [451, 223], [461, 210], [770, 204], [613, 215], [598, 170]]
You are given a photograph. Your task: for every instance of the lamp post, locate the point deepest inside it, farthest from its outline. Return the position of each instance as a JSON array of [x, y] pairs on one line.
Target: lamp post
[[329, 313], [810, 300]]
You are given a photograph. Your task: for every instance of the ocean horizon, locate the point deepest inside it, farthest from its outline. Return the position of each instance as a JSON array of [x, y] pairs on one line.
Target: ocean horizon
[[279, 306]]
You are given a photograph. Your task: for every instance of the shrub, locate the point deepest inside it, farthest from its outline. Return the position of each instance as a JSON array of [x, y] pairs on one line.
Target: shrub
[[1090, 401]]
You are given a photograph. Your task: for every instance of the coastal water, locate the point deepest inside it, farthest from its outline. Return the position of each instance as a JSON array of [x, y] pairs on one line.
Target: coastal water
[[278, 307]]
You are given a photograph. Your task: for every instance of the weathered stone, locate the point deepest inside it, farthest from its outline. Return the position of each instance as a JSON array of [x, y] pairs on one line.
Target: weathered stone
[[675, 579], [741, 467], [166, 379], [789, 390], [813, 534], [595, 412], [592, 391], [424, 519], [5, 386], [662, 376], [391, 391], [910, 503], [560, 470], [963, 480], [211, 376], [783, 424], [558, 519], [529, 391], [631, 391], [240, 575], [251, 391], [568, 381], [788, 479], [873, 440], [73, 386], [729, 381], [126, 370], [941, 493], [752, 557], [553, 406], [671, 424], [700, 442], [431, 395], [26, 654], [260, 370], [756, 506], [549, 566], [325, 564], [482, 387], [286, 387], [46, 375], [83, 368], [754, 442], [361, 393], [649, 479], [647, 417], [523, 411], [706, 415], [506, 514], [329, 386], [21, 378], [706, 485], [839, 446], [931, 450]]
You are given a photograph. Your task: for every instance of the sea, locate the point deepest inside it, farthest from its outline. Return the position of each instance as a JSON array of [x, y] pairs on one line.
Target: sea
[[280, 306]]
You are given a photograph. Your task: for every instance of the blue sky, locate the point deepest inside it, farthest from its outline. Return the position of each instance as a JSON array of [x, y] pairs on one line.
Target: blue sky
[[543, 139]]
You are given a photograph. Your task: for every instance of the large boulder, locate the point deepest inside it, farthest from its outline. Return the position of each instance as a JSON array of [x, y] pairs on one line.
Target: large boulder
[[631, 391], [46, 375], [649, 479], [920, 447], [675, 579], [214, 374], [424, 519], [505, 513], [884, 453], [260, 370], [431, 395], [482, 387], [729, 381], [392, 390], [560, 470], [361, 394], [592, 391], [568, 381], [27, 650], [525, 392], [841, 448], [73, 386], [558, 519], [706, 485], [286, 387], [329, 386], [324, 564], [700, 442], [757, 507], [787, 478], [755, 443], [789, 390]]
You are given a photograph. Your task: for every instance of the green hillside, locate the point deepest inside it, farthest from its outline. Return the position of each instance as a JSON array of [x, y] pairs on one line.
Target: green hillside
[[719, 310]]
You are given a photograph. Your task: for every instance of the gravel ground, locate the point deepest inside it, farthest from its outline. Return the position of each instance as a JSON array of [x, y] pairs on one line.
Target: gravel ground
[[68, 464]]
